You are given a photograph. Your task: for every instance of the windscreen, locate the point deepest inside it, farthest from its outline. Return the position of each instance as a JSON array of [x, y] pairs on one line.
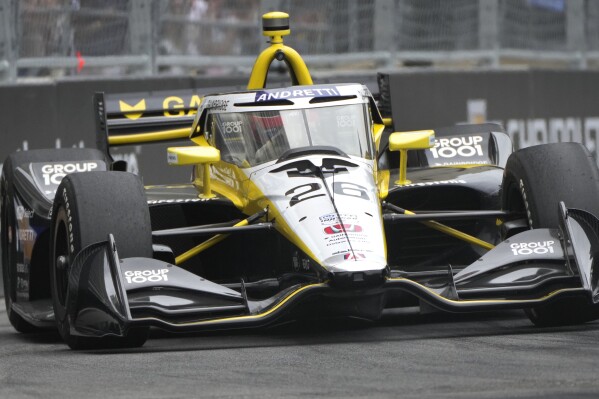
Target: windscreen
[[251, 138]]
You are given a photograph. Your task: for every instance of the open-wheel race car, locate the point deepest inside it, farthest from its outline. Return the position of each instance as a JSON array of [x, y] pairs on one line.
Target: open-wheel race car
[[302, 204]]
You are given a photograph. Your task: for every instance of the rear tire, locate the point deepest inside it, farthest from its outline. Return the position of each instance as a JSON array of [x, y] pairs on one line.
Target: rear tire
[[536, 179], [88, 207]]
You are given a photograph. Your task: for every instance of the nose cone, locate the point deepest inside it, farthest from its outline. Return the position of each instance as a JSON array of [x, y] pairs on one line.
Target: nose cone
[[334, 218], [357, 269], [355, 261], [359, 279]]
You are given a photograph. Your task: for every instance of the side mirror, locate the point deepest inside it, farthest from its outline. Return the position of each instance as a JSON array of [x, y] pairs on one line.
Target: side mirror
[[192, 155], [404, 141], [196, 155]]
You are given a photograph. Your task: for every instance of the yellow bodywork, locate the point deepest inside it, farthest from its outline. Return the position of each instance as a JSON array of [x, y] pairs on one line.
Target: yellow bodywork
[[404, 141], [192, 155], [230, 181], [138, 138]]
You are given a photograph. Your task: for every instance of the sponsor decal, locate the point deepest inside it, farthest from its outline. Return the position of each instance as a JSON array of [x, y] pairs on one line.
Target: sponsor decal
[[526, 206], [130, 110], [335, 237], [172, 106], [26, 235], [301, 193], [340, 239], [338, 228], [272, 95], [175, 106], [23, 213], [483, 161], [434, 183], [332, 218], [22, 268], [467, 146], [48, 176], [232, 127], [178, 200], [172, 158], [529, 248], [353, 256], [313, 190], [142, 276], [54, 172], [350, 190], [217, 105], [69, 218]]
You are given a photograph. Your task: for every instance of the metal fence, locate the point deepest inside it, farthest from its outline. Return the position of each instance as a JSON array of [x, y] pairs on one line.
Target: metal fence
[[54, 38]]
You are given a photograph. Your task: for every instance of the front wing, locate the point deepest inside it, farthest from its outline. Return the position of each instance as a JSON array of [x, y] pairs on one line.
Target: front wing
[[108, 296]]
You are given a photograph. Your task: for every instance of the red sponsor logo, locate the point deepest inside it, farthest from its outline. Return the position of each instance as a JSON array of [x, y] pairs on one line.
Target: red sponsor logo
[[338, 228], [353, 256]]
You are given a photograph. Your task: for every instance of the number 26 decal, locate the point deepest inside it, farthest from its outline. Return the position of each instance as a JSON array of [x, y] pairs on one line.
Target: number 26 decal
[[312, 190]]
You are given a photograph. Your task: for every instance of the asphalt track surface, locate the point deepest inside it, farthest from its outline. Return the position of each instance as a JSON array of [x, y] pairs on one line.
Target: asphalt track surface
[[407, 355]]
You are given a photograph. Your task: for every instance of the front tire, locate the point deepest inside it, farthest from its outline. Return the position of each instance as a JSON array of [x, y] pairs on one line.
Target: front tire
[[88, 207], [536, 179]]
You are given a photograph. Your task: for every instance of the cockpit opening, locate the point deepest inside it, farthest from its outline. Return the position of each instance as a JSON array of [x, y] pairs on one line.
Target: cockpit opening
[[251, 138]]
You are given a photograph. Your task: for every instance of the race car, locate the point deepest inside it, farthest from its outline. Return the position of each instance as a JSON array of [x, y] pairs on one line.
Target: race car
[[302, 203]]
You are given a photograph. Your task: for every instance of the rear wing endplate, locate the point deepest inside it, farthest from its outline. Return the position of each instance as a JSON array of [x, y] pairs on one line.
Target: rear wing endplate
[[143, 118]]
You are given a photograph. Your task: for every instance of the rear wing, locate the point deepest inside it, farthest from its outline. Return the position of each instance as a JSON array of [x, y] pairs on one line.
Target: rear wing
[[147, 117]]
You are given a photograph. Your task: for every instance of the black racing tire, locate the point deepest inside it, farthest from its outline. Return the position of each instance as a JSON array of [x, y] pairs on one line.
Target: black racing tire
[[536, 179], [97, 204], [8, 227]]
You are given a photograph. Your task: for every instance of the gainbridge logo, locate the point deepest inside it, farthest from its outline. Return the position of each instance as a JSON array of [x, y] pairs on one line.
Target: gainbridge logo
[[133, 111]]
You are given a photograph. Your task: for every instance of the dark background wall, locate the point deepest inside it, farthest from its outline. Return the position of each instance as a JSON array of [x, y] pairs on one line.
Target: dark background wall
[[534, 107]]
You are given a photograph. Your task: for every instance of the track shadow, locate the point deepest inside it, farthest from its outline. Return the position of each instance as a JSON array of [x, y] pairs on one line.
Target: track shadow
[[42, 337], [401, 325], [398, 326]]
